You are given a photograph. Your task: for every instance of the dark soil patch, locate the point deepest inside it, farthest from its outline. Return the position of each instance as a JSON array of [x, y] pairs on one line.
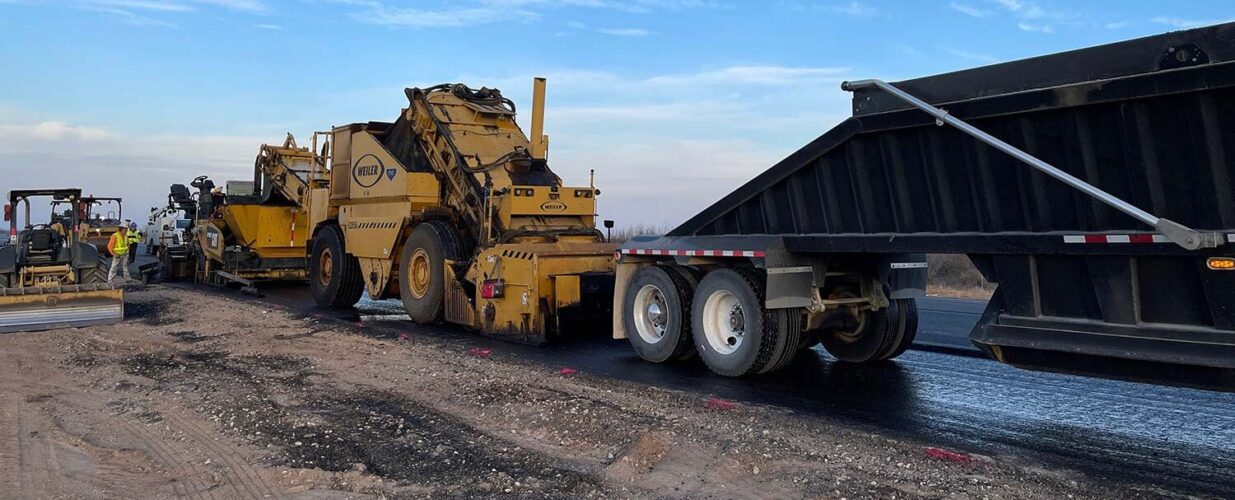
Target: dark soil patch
[[272, 401], [151, 312], [187, 336]]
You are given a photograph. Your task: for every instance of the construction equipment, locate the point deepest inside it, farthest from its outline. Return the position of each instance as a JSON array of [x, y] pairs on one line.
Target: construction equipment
[[255, 232], [48, 278], [99, 218], [168, 234], [453, 209], [1093, 186]]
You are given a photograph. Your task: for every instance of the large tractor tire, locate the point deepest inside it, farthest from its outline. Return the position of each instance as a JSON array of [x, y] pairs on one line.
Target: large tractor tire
[[733, 332], [95, 275], [334, 275], [871, 336], [422, 270], [656, 315]]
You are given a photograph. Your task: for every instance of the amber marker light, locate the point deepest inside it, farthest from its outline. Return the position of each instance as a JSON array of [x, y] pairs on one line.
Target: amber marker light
[[1222, 263]]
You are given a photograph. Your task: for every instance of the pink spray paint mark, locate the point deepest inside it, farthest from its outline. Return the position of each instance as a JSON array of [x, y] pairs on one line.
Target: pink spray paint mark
[[720, 404], [480, 353], [950, 456], [568, 371]]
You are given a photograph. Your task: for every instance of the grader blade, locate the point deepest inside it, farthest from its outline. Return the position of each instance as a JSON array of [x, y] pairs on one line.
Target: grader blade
[[37, 308]]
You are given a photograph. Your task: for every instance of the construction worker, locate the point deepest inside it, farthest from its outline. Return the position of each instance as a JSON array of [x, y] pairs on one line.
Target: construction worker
[[118, 245], [135, 238]]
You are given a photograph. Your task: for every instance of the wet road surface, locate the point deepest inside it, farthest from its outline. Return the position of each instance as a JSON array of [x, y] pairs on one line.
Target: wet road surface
[[941, 394]]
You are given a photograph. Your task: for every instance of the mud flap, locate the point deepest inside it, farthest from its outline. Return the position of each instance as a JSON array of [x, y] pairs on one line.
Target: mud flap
[[34, 309]]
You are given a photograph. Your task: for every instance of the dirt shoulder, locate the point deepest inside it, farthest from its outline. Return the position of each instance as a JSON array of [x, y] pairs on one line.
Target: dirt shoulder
[[206, 396]]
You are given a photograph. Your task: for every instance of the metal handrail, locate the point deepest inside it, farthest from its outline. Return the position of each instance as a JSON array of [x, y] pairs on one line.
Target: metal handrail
[[1181, 235]]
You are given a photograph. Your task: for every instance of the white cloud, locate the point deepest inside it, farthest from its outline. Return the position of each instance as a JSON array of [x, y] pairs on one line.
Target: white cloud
[[855, 9], [965, 54], [631, 32], [968, 10], [776, 75], [1117, 25], [137, 168], [272, 27], [144, 12], [51, 130], [1180, 23], [1033, 27], [666, 146], [479, 12], [1032, 17], [161, 6]]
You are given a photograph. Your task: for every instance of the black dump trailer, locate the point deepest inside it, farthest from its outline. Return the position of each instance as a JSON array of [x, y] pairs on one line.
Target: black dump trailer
[[1093, 186]]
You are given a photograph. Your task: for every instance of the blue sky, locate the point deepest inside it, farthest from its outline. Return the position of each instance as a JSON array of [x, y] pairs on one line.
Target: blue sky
[[673, 102]]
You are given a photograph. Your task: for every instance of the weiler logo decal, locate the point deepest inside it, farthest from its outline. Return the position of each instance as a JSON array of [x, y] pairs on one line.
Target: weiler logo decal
[[553, 206], [368, 171]]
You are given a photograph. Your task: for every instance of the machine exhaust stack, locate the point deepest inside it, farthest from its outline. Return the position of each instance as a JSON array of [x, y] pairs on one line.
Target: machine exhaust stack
[[540, 141]]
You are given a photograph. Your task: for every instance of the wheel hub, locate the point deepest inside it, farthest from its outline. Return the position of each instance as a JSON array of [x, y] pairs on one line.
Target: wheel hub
[[325, 266], [420, 273], [724, 322], [651, 314]]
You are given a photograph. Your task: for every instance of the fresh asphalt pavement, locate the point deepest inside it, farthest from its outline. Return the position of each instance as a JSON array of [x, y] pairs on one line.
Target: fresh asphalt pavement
[[942, 393]]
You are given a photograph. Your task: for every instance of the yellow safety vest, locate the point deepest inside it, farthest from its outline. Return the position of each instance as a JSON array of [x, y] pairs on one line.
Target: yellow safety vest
[[120, 245], [135, 237]]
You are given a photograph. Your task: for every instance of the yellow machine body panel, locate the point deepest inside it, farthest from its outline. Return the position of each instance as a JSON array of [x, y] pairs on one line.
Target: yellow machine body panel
[[539, 281], [97, 235], [270, 231]]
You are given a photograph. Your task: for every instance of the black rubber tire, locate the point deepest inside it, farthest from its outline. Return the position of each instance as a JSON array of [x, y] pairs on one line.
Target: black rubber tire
[[909, 308], [345, 284], [791, 326], [95, 275], [677, 342], [761, 336], [439, 242], [884, 328], [692, 277]]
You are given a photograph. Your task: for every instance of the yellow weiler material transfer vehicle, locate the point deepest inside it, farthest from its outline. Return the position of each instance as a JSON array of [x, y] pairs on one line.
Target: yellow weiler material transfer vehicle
[[48, 278], [453, 209]]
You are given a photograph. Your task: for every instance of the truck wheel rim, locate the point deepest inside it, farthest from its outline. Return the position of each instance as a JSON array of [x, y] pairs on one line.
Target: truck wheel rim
[[651, 314], [325, 266], [724, 322], [420, 273]]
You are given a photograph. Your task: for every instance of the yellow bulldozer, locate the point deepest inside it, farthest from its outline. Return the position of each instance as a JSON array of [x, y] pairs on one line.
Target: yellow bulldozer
[[49, 278], [452, 209]]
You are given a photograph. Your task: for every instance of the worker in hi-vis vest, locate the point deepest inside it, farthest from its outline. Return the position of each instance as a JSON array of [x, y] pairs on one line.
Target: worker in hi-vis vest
[[135, 238], [118, 245]]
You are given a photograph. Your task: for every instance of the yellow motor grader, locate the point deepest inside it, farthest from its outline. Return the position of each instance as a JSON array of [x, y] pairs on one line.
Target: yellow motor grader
[[48, 277], [454, 210]]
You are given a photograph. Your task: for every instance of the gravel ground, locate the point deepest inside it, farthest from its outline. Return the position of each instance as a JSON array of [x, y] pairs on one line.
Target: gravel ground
[[202, 395]]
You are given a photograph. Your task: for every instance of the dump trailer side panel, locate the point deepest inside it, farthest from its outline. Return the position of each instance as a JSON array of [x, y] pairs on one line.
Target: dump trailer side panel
[[1155, 129]]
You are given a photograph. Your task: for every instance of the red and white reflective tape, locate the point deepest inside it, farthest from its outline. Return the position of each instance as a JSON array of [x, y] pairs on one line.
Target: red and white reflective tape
[[1124, 238], [693, 253]]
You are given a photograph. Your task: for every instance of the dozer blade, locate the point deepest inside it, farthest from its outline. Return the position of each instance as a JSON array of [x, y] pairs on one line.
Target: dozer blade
[[33, 309]]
